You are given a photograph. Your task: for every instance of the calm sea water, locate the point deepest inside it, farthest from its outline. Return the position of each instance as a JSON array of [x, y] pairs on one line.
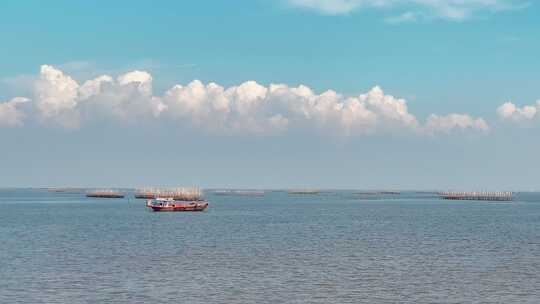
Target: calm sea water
[[327, 248]]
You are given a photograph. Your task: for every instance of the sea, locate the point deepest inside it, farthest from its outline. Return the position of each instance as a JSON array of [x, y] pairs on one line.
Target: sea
[[330, 247]]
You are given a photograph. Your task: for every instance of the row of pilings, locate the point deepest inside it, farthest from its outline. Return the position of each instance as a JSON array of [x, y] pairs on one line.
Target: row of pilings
[[477, 195], [184, 194]]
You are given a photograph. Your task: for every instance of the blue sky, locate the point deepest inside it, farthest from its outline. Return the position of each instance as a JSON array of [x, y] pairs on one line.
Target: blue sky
[[435, 57]]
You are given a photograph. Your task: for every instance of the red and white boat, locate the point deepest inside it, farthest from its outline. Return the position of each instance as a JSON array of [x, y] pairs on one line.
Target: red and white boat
[[169, 204]]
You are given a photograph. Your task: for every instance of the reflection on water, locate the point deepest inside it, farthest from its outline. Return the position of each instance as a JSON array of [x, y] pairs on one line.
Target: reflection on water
[[277, 248]]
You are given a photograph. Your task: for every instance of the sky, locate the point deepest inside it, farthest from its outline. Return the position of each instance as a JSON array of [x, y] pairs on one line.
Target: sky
[[345, 94]]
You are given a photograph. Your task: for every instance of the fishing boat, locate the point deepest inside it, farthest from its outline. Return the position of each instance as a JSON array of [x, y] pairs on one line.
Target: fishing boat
[[170, 204]]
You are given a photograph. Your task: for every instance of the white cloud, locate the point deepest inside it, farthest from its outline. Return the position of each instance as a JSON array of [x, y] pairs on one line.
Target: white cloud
[[333, 7], [449, 9], [128, 98], [253, 108], [55, 93], [94, 86], [249, 108], [509, 111], [10, 113], [246, 108], [60, 99], [403, 18], [454, 122], [143, 81]]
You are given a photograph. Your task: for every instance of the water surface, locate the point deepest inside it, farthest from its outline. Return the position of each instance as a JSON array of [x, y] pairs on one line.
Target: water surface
[[338, 247]]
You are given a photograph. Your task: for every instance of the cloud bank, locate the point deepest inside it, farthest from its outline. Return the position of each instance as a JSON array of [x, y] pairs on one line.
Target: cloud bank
[[11, 114], [510, 112], [249, 108], [451, 122], [448, 9]]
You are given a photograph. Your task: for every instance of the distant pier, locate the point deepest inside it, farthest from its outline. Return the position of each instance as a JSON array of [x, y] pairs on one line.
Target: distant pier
[[304, 191], [239, 192], [105, 193], [477, 196]]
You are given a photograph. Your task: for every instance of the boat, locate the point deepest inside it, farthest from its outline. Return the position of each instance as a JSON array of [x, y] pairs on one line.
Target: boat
[[170, 204]]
